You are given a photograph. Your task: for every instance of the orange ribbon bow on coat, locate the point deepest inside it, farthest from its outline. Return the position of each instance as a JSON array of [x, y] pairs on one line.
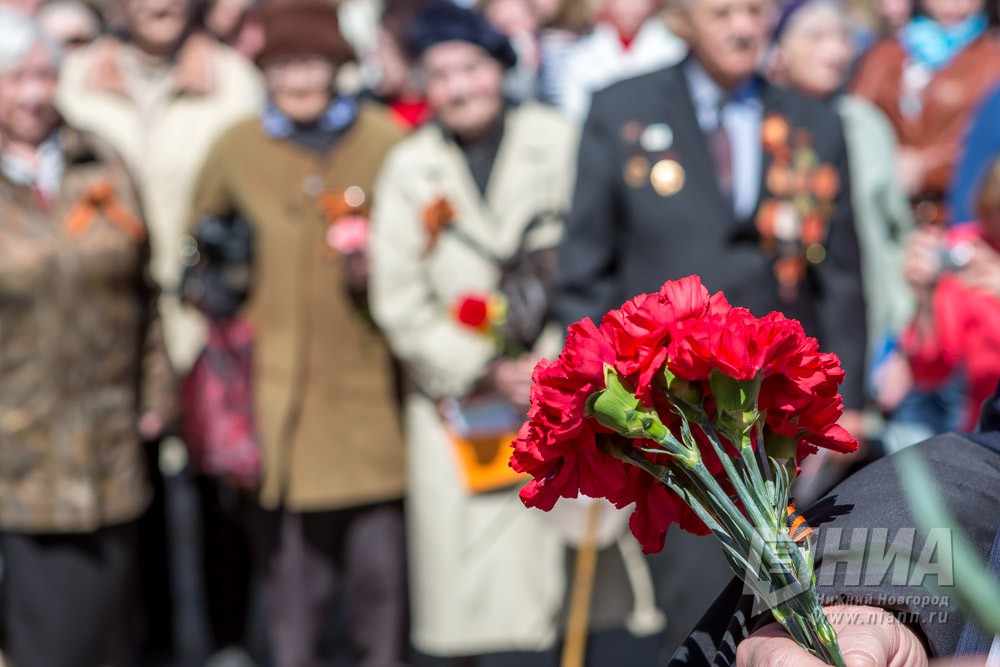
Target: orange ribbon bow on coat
[[100, 198]]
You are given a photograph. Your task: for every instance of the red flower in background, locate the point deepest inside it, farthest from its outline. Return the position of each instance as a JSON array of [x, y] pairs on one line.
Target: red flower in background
[[473, 311]]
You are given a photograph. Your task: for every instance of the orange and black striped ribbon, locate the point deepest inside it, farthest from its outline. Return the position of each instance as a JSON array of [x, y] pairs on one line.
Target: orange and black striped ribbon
[[798, 528]]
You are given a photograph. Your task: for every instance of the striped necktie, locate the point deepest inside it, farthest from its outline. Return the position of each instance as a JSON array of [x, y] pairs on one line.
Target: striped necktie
[[722, 156]]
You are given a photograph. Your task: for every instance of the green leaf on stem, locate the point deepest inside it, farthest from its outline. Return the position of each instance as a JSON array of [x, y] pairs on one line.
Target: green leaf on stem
[[735, 401], [618, 409], [781, 450], [688, 397]]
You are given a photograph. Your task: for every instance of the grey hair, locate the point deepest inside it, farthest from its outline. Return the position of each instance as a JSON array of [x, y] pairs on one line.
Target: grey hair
[[19, 34], [72, 10]]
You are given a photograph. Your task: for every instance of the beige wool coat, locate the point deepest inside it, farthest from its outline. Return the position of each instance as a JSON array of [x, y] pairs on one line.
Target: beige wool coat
[[326, 404], [486, 574], [163, 124]]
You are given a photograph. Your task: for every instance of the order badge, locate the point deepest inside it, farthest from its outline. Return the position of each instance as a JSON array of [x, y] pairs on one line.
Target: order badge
[[635, 172], [657, 138], [667, 177]]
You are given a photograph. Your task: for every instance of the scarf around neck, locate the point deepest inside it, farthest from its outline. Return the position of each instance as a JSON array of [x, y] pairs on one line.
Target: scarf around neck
[[933, 45], [318, 136]]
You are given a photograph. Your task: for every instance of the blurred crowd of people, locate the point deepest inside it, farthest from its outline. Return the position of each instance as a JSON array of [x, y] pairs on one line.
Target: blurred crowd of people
[[300, 258]]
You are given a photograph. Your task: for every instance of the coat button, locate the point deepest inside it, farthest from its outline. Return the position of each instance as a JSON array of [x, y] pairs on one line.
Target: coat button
[[313, 187], [354, 196]]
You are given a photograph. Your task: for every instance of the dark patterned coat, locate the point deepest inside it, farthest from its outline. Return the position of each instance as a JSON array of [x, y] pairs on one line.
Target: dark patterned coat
[[81, 348]]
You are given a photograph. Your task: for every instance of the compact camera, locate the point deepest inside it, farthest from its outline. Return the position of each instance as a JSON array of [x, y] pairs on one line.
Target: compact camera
[[956, 257]]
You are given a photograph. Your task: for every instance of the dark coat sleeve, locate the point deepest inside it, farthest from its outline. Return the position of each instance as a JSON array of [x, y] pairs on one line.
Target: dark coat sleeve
[[841, 296], [872, 502], [587, 282]]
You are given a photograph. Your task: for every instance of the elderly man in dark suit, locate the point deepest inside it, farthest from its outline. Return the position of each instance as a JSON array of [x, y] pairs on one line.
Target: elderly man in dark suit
[[706, 168]]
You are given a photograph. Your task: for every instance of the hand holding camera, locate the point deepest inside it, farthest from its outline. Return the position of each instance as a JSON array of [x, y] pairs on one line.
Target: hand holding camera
[[922, 264], [929, 255], [982, 271]]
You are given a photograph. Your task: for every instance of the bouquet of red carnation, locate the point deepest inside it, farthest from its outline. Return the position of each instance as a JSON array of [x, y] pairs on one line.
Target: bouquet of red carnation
[[698, 413]]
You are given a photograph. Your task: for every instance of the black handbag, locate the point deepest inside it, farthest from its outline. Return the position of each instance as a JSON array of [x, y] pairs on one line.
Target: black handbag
[[218, 265], [217, 393]]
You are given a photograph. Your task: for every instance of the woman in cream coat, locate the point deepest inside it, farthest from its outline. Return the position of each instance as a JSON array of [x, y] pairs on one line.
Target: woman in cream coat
[[487, 575]]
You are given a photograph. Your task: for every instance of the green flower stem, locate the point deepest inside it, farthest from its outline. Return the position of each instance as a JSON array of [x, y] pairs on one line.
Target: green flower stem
[[814, 629], [806, 622], [741, 537], [661, 435], [750, 500], [792, 624], [755, 482], [725, 505], [733, 550], [747, 455], [742, 529], [778, 495], [691, 494]]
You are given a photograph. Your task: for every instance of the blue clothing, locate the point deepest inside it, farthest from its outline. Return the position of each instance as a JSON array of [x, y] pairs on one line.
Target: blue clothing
[[981, 147], [933, 45], [742, 114], [939, 410], [318, 136]]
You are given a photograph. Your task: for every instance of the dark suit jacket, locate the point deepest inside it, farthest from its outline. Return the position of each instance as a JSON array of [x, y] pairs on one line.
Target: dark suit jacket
[[967, 475], [624, 239]]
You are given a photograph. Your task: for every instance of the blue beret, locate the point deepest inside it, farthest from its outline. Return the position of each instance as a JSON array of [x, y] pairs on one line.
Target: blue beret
[[451, 23], [788, 10]]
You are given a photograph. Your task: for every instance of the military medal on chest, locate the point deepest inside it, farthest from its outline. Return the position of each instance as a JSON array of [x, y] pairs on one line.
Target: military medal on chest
[[793, 220], [652, 162]]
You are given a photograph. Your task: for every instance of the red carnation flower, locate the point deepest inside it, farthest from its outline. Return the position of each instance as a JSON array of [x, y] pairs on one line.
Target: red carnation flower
[[557, 446], [656, 509], [644, 326], [473, 311]]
